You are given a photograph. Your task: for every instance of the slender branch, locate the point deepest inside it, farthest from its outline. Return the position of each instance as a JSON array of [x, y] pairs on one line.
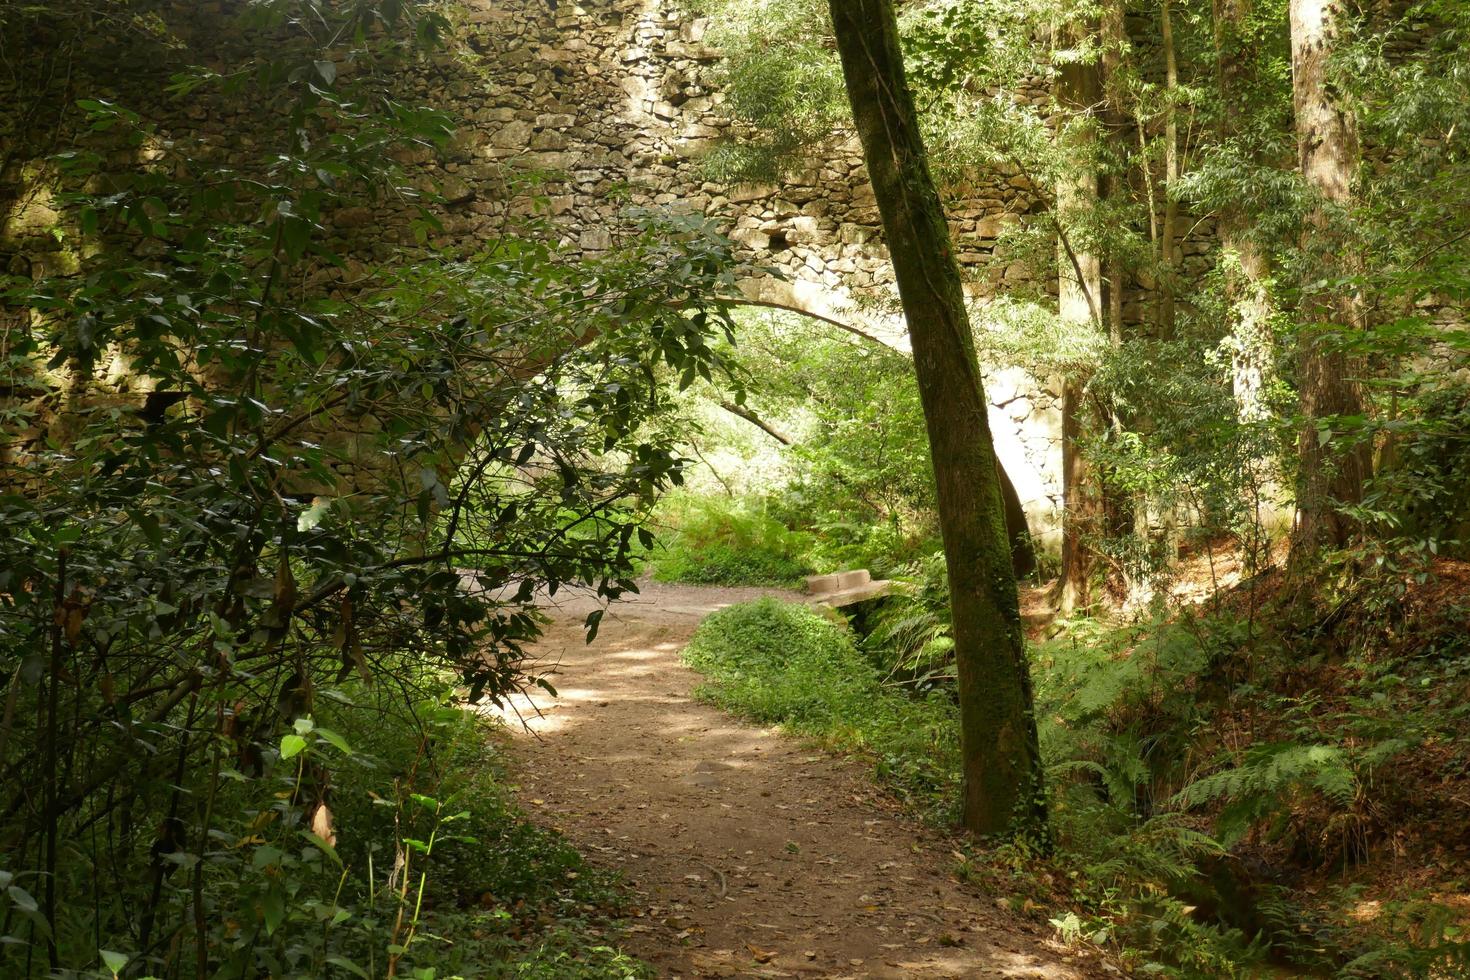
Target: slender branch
[[750, 416]]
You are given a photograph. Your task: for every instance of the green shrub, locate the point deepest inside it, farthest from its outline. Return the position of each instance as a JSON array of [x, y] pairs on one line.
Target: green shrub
[[380, 830], [911, 635], [718, 541], [489, 893], [783, 663]]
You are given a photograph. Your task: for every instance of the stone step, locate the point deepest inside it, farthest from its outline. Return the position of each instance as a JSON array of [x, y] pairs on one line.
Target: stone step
[[837, 581], [839, 589]]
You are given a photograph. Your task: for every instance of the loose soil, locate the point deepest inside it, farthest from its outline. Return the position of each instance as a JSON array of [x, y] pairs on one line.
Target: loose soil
[[749, 853]]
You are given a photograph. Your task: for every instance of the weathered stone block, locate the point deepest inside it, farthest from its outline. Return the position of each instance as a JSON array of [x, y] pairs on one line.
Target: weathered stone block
[[746, 193], [803, 229], [595, 239], [515, 134]]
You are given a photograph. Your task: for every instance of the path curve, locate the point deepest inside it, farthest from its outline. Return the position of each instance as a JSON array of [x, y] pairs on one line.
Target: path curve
[[749, 853]]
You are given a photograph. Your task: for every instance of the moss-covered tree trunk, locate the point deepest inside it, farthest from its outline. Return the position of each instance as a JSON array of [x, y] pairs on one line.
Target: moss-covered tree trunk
[[1079, 305], [1002, 778]]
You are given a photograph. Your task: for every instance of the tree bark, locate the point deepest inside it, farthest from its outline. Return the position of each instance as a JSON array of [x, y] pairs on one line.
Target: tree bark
[[1113, 33], [1079, 294], [1247, 266], [1002, 763], [1169, 230], [1328, 382]]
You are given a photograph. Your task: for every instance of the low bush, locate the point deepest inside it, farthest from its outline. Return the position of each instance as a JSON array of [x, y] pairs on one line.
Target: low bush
[[378, 839], [720, 541], [1167, 827], [783, 663]]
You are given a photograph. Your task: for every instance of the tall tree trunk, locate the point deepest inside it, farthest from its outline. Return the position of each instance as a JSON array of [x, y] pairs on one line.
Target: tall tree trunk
[[1112, 31], [1079, 294], [1124, 512], [1002, 763], [1169, 229], [1327, 379], [1247, 267], [1073, 591]]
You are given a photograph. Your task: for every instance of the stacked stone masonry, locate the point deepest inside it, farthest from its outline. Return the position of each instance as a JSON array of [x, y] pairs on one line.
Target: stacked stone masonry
[[613, 105], [585, 113]]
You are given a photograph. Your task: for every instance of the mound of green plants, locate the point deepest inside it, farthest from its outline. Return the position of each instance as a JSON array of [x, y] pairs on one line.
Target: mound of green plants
[[1203, 764], [783, 663], [722, 541], [497, 895], [380, 839]]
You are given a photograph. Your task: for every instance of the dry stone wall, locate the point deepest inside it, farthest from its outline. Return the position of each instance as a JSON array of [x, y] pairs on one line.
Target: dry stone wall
[[612, 104], [585, 113]]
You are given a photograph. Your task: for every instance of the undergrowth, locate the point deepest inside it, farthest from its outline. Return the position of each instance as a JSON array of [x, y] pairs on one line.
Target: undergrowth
[[783, 663], [1206, 768], [726, 542], [382, 841], [772, 541], [1220, 781], [503, 897]]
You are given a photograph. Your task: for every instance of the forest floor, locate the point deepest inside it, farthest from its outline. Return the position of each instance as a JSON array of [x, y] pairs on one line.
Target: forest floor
[[748, 853]]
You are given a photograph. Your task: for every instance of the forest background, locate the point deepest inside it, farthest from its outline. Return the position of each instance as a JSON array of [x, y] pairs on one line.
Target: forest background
[[239, 494]]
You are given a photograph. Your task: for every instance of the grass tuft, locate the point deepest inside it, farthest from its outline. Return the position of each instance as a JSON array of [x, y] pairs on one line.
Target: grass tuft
[[783, 663]]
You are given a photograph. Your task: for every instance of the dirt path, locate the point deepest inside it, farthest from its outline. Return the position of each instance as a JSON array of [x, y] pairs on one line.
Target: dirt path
[[751, 855]]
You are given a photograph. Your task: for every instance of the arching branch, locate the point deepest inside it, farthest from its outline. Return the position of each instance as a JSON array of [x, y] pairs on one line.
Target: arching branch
[[755, 420]]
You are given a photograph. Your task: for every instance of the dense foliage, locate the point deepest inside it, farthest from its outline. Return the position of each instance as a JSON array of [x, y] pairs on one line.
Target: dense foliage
[[282, 476], [822, 466], [1191, 410], [1239, 761], [780, 662], [256, 473]]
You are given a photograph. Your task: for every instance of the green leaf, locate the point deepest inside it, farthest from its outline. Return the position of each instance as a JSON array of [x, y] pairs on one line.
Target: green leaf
[[113, 960], [295, 234], [22, 898], [312, 516], [321, 844], [303, 726], [149, 525], [348, 965], [274, 908], [337, 740], [292, 745]]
